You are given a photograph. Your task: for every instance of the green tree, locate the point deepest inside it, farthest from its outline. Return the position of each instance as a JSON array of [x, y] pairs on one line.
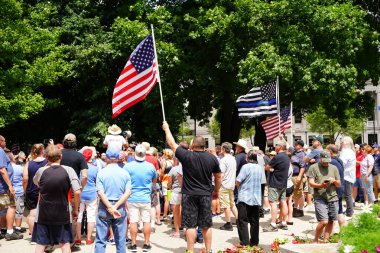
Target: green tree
[[28, 62], [320, 122]]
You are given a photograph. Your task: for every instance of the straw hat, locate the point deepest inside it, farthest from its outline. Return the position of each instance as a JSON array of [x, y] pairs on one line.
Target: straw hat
[[242, 143], [114, 130]]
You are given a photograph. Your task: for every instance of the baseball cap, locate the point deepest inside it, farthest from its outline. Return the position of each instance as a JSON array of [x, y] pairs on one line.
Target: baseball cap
[[87, 153], [70, 137], [112, 153], [273, 153], [325, 156], [299, 142], [140, 152], [318, 138], [375, 145]]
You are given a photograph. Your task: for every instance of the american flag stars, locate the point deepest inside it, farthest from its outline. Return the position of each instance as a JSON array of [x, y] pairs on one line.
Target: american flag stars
[[143, 56]]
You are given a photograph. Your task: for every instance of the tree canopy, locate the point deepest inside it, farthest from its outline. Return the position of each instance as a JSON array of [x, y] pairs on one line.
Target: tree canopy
[[60, 61]]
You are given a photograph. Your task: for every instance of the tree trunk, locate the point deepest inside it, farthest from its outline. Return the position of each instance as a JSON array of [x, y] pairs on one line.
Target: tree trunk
[[260, 137]]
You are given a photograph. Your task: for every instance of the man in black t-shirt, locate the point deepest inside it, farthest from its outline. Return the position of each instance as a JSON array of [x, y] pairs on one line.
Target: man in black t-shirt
[[198, 166], [279, 168], [75, 160]]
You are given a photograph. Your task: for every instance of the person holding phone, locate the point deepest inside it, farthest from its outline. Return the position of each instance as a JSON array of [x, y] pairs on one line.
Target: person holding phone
[[324, 178]]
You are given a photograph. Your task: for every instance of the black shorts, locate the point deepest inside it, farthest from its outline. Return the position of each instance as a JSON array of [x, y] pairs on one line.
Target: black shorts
[[196, 211], [289, 191], [52, 234]]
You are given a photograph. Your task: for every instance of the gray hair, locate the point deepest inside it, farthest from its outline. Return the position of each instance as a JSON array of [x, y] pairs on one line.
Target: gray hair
[[347, 142], [227, 146]]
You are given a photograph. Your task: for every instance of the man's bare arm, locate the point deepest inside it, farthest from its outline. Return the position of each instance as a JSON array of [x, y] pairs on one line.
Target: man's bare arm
[[169, 137]]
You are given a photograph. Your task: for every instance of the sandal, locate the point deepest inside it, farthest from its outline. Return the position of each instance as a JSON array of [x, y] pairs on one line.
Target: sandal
[[158, 224]]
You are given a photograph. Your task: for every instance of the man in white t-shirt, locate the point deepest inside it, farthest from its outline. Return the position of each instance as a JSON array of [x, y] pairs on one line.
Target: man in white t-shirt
[[226, 193], [114, 140]]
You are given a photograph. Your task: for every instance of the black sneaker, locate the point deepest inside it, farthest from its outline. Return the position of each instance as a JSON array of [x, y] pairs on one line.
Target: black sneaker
[[270, 228], [146, 247], [284, 227], [3, 231], [20, 231], [75, 248], [13, 236], [132, 248], [2, 236], [128, 241], [227, 227]]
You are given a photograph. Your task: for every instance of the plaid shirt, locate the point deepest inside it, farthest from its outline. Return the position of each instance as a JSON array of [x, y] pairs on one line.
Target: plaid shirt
[[250, 177]]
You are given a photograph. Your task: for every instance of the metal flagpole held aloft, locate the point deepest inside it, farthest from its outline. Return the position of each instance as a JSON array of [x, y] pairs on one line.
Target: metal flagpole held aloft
[[158, 73], [278, 104], [291, 124]]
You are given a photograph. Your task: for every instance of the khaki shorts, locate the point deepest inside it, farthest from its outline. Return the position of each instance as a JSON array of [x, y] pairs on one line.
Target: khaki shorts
[[6, 201], [276, 194], [226, 198], [137, 210], [176, 198], [376, 182], [298, 188], [307, 188]]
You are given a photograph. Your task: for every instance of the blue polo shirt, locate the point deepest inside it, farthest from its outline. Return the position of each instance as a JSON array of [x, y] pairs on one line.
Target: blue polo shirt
[[5, 163], [142, 174], [89, 190], [113, 181]]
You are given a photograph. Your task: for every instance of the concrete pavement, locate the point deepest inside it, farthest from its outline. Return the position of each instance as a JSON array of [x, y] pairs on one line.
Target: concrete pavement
[[163, 243]]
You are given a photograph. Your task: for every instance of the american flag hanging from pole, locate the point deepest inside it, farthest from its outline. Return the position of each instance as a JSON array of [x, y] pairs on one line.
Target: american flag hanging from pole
[[258, 101], [271, 125], [137, 78]]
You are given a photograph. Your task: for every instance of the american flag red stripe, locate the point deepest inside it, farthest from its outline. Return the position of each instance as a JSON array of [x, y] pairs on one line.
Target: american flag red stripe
[[137, 78], [271, 124]]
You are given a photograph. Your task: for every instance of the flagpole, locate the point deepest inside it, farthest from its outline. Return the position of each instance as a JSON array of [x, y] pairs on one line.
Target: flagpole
[[278, 104], [158, 73], [291, 124]]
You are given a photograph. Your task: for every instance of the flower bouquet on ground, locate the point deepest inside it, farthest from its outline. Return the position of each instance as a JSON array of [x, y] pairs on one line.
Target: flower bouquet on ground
[[300, 239], [243, 249], [275, 246]]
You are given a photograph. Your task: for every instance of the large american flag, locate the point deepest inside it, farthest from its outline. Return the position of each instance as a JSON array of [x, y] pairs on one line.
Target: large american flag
[[271, 125], [137, 78], [258, 101]]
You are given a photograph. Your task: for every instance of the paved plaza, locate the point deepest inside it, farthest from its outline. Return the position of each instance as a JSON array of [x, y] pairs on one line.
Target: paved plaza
[[163, 243]]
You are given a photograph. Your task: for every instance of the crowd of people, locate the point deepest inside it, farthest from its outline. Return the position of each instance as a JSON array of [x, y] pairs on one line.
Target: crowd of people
[[64, 192]]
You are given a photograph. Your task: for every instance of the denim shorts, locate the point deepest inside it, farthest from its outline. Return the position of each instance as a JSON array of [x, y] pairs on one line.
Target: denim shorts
[[326, 210], [358, 183]]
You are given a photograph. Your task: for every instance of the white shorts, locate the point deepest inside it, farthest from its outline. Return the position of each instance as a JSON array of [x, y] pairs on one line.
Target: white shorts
[[90, 207], [176, 198], [137, 210]]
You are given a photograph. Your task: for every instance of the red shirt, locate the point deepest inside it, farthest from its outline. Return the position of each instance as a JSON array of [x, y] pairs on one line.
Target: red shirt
[[153, 160], [359, 158]]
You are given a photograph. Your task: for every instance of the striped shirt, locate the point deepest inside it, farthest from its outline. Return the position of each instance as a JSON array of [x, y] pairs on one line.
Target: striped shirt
[[250, 177]]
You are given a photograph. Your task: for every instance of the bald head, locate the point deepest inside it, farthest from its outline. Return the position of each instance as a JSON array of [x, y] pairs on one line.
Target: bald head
[[198, 143]]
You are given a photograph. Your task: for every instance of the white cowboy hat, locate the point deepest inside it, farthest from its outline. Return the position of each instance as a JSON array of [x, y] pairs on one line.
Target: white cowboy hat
[[242, 143], [114, 130]]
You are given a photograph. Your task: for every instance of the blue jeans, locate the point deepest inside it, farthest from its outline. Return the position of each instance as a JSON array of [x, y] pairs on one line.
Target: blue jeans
[[368, 187], [119, 227]]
